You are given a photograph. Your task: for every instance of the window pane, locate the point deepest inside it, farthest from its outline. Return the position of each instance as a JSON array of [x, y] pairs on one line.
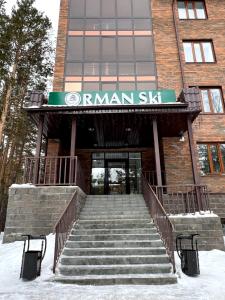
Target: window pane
[[77, 8], [142, 24], [93, 24], [215, 158], [108, 24], [125, 48], [200, 10], [109, 69], [198, 54], [76, 24], [108, 8], [92, 48], [205, 101], [203, 159], [145, 68], [141, 8], [109, 86], [126, 69], [108, 49], [91, 69], [182, 10], [143, 48], [216, 100], [191, 13], [126, 86], [75, 48], [73, 69], [188, 52], [90, 86], [208, 53], [222, 149], [92, 8], [124, 8], [125, 24], [145, 86]]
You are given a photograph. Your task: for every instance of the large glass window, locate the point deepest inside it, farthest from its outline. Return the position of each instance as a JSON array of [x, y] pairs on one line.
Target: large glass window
[[125, 48], [108, 8], [143, 48], [199, 51], [211, 158], [77, 8], [92, 8], [75, 48], [124, 8], [212, 100], [108, 49], [141, 8], [188, 9], [92, 49]]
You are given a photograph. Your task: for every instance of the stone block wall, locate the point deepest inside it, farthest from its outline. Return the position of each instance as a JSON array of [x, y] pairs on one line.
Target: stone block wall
[[35, 210], [208, 226], [217, 204]]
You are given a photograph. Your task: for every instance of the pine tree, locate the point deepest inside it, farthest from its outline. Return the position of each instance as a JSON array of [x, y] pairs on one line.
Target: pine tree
[[26, 53]]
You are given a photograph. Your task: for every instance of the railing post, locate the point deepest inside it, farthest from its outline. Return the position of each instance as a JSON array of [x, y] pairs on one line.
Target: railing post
[[72, 149], [38, 149]]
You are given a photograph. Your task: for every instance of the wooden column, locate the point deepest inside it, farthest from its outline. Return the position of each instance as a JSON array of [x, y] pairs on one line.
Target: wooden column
[[192, 152], [157, 154], [73, 149], [38, 149]]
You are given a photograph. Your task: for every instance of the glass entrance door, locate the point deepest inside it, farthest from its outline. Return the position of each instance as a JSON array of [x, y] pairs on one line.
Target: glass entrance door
[[117, 177]]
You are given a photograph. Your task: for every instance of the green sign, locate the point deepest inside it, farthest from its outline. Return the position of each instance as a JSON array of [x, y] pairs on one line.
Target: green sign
[[112, 98]]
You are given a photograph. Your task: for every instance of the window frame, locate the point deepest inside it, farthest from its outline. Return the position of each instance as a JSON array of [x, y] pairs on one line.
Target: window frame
[[200, 43], [209, 153], [208, 89], [186, 2]]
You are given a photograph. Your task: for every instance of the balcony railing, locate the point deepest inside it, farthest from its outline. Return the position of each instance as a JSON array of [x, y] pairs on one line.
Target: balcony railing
[[183, 199], [60, 170]]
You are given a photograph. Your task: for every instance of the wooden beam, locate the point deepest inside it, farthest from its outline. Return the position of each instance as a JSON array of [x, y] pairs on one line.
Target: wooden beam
[[192, 151], [38, 148], [72, 176], [157, 154]]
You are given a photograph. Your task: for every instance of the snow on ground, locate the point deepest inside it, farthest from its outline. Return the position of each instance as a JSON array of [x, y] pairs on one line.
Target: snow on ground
[[209, 285]]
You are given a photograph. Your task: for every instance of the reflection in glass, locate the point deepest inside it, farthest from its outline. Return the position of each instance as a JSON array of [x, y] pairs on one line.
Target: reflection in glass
[[92, 8], [217, 100], [73, 69], [182, 10], [125, 49], [76, 24], [91, 69], [93, 24], [142, 24], [222, 149], [116, 177], [215, 158], [205, 101], [191, 12], [124, 8], [200, 10], [92, 48], [109, 69], [203, 159], [126, 69], [188, 52], [108, 8], [208, 52], [143, 48], [108, 49], [141, 8], [77, 8], [108, 24], [198, 54], [75, 48], [124, 24], [145, 68]]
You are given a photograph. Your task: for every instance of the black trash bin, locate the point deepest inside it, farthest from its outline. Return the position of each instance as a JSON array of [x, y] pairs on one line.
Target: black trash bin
[[188, 253], [32, 259]]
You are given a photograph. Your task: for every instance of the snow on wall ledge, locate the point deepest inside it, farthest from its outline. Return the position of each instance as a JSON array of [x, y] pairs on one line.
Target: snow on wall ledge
[[35, 210], [207, 225]]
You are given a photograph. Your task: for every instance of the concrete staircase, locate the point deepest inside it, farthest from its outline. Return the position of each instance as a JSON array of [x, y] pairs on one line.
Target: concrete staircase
[[114, 242]]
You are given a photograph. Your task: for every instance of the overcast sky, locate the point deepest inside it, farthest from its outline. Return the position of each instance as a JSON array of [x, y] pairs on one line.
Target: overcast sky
[[49, 7]]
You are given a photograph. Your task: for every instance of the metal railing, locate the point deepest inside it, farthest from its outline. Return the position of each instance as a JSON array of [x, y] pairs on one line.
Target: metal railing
[[151, 177], [183, 199], [58, 170], [64, 225], [160, 218]]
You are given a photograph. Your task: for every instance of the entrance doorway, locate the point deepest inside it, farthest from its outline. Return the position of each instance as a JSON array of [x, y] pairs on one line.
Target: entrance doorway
[[117, 177], [115, 173]]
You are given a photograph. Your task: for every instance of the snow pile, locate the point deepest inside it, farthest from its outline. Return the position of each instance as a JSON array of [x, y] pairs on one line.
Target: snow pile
[[208, 286], [22, 186], [202, 214]]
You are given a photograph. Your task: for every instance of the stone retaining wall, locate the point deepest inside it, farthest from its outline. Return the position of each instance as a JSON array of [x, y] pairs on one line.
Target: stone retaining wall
[[208, 226], [35, 210]]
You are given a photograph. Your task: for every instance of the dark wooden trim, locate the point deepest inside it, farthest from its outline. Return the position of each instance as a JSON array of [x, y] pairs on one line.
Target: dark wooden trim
[[157, 154], [192, 152], [38, 147], [73, 146]]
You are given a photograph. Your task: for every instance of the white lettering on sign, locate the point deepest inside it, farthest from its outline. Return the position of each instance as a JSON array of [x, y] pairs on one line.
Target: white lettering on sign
[[113, 98]]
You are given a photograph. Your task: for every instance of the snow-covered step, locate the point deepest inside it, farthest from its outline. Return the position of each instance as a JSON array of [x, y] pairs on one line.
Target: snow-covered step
[[114, 269], [137, 279], [114, 251], [116, 244], [114, 231], [113, 237]]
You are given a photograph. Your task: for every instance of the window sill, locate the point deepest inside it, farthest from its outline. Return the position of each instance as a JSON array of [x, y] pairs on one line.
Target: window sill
[[196, 19], [213, 175], [200, 63]]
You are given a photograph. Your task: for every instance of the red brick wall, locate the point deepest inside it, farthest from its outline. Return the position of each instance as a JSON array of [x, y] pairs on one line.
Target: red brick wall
[[207, 128]]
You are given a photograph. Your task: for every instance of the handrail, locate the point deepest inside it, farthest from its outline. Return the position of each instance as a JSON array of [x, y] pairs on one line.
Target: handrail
[[160, 218], [64, 225]]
